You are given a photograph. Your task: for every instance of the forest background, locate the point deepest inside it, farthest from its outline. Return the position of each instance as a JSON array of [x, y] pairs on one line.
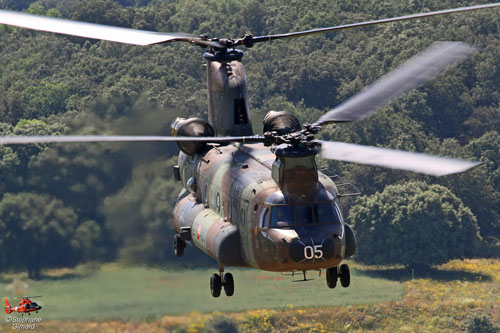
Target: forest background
[[107, 202]]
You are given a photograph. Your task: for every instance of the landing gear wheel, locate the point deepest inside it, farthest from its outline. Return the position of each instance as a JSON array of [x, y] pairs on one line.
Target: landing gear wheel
[[228, 284], [179, 245], [215, 285], [331, 277], [345, 276]]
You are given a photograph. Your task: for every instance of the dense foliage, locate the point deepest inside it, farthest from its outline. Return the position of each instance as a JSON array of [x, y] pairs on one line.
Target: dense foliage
[[414, 224], [57, 84]]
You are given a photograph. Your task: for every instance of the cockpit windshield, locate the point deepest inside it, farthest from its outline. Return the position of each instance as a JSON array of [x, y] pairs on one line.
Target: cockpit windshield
[[281, 216], [326, 213], [284, 216], [303, 215]]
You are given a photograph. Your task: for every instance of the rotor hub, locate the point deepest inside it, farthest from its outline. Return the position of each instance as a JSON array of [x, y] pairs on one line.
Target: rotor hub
[[223, 55]]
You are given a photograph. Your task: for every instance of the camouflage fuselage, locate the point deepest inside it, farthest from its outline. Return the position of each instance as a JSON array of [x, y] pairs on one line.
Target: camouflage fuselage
[[231, 212]]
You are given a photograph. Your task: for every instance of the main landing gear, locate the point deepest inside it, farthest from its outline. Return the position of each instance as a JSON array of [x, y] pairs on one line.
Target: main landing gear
[[334, 273], [217, 282]]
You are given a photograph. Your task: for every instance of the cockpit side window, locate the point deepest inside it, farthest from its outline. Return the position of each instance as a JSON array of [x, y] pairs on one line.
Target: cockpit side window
[[325, 213], [281, 216]]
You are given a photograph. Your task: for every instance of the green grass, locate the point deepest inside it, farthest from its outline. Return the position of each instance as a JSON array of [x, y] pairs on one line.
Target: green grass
[[140, 293]]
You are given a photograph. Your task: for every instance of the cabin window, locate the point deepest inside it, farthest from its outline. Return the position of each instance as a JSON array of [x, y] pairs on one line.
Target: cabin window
[[217, 201], [281, 216], [240, 111]]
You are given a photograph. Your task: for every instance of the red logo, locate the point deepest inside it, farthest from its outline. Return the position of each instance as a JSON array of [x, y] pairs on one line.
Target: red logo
[[199, 232]]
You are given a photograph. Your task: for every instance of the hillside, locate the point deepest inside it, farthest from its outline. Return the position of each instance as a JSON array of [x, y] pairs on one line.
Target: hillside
[[54, 84]]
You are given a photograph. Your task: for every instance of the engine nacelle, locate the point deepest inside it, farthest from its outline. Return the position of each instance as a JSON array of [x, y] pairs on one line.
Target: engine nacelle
[[191, 127], [281, 122]]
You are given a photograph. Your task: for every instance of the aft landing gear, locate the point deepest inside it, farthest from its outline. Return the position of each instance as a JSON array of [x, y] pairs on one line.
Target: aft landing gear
[[334, 273], [217, 282], [345, 276], [179, 245], [215, 285], [331, 277], [228, 284]]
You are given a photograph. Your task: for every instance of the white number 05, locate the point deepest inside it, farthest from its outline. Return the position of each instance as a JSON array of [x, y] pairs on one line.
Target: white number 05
[[313, 252]]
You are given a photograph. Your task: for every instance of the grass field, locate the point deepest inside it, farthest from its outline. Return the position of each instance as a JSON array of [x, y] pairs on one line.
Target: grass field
[[115, 293], [380, 299]]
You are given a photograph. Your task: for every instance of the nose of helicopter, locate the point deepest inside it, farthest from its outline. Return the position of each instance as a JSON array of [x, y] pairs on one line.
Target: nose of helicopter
[[311, 247]]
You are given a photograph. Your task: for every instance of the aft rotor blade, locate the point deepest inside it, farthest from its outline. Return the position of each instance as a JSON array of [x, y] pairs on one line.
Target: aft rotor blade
[[8, 140], [416, 71], [259, 39], [97, 31], [394, 159]]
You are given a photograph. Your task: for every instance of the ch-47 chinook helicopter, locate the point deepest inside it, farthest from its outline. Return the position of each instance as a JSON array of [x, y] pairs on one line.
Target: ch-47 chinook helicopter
[[259, 200]]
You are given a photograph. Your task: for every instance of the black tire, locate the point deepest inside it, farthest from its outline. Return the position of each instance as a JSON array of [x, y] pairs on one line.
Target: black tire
[[215, 285], [179, 245], [228, 284], [345, 276], [331, 277]]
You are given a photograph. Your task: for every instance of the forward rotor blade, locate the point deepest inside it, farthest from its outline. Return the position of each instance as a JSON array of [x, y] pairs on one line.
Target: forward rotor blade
[[394, 159], [97, 31], [419, 69], [8, 140], [259, 39]]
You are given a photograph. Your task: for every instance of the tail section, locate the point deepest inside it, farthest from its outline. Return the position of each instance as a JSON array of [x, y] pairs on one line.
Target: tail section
[[8, 309]]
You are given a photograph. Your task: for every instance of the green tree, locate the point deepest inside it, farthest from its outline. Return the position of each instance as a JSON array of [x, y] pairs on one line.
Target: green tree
[[46, 98], [16, 4], [36, 231], [101, 11], [414, 224], [8, 164], [476, 188]]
